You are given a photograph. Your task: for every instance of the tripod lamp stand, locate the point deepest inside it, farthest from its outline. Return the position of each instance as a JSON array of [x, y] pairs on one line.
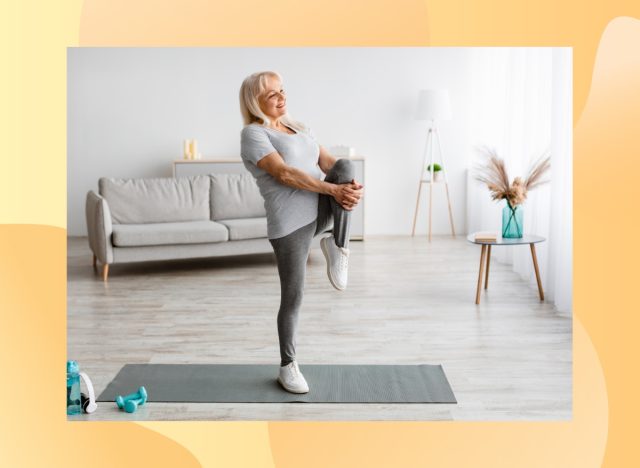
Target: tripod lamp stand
[[433, 105]]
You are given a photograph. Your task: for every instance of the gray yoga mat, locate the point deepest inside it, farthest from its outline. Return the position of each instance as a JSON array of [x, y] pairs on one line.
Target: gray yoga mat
[[239, 383]]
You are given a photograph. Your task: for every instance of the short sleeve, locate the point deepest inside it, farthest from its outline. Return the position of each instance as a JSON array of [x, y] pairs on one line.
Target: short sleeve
[[255, 144]]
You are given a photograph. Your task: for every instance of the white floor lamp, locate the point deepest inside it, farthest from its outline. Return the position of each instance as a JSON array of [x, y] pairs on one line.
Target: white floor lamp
[[433, 104]]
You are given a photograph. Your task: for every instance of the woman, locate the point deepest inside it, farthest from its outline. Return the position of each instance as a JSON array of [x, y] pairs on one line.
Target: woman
[[287, 163]]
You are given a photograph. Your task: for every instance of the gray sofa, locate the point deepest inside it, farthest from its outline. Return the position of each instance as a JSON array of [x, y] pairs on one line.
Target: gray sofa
[[134, 220]]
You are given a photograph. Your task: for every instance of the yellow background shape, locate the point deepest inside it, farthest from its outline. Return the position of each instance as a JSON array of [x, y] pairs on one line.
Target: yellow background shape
[[33, 191]]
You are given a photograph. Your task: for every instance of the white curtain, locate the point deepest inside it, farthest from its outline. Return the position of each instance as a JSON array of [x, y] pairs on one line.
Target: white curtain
[[522, 104]]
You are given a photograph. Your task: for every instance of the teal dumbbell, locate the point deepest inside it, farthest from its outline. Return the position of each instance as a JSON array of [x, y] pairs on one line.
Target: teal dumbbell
[[131, 402], [131, 406]]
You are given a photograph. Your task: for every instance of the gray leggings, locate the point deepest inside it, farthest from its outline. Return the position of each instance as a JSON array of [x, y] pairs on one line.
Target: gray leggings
[[292, 252]]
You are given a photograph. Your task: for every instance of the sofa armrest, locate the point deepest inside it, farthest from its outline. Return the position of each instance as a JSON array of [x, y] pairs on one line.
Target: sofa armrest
[[99, 227]]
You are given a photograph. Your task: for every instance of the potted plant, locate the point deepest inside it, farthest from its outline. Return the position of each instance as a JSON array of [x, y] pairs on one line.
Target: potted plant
[[494, 174], [437, 172]]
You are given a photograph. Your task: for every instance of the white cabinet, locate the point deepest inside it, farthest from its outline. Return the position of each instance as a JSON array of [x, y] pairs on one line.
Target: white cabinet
[[186, 168]]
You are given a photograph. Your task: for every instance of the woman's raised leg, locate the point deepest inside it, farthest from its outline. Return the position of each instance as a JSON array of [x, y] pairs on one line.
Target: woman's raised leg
[[342, 172]]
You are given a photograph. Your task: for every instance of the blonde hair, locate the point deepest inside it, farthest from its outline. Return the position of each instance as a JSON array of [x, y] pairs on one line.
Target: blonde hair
[[252, 87]]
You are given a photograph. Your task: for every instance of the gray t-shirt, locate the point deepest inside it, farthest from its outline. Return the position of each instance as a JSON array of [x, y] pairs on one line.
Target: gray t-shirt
[[287, 208]]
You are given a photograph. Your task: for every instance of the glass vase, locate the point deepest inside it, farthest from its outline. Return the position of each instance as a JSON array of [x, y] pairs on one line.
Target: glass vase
[[512, 221]]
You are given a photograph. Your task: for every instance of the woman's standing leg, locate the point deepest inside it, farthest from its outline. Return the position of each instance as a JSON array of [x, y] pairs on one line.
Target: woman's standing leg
[[291, 252], [342, 172]]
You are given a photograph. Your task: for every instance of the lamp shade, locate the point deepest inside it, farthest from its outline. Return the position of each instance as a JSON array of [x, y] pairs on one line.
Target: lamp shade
[[433, 104]]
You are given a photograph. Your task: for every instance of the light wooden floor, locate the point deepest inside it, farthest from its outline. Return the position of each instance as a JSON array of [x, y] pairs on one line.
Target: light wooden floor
[[408, 302]]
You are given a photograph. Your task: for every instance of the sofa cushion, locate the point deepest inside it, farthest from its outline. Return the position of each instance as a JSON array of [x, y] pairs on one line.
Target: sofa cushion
[[190, 232], [235, 196], [246, 228], [157, 200]]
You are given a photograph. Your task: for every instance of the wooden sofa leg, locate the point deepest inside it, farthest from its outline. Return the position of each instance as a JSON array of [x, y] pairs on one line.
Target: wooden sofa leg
[[95, 261], [105, 272]]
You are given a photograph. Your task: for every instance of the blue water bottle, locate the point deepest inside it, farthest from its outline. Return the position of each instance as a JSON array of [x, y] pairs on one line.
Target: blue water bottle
[[74, 402]]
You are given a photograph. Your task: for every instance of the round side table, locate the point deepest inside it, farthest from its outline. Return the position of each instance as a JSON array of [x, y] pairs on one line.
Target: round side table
[[486, 252]]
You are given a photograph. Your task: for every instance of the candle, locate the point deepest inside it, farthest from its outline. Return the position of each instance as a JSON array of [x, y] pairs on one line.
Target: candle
[[185, 149], [194, 148]]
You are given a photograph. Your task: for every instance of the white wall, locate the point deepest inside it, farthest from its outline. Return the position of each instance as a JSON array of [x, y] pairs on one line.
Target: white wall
[[130, 108]]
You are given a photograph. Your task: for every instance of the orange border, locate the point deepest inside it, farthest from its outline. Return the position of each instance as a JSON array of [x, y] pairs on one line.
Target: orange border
[[604, 38]]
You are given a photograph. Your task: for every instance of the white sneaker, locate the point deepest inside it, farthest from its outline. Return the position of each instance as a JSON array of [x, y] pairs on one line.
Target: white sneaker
[[292, 379], [337, 262]]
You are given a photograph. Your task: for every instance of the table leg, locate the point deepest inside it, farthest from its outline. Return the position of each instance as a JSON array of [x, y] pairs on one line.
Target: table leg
[[482, 254], [486, 278], [535, 266]]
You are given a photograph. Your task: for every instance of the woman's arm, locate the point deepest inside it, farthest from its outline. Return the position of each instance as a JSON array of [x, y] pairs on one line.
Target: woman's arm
[[325, 161], [293, 177], [347, 195]]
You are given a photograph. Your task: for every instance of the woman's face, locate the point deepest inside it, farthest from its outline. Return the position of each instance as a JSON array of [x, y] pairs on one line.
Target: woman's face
[[273, 101]]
